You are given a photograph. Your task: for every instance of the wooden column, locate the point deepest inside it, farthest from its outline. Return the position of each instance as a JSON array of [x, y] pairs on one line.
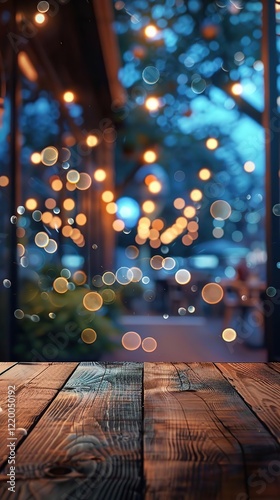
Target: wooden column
[[15, 188], [271, 124]]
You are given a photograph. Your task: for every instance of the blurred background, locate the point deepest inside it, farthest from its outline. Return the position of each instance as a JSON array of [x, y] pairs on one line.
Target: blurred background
[[132, 183]]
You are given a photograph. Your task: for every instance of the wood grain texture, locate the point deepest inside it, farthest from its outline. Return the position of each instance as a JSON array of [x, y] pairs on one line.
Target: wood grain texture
[[35, 386], [6, 365], [201, 441], [87, 445], [274, 366], [259, 386]]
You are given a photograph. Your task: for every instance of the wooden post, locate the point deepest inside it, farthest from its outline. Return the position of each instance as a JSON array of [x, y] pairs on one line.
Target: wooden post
[[14, 189], [271, 124]]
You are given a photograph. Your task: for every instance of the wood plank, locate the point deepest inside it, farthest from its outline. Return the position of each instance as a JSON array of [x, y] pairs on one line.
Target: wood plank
[[35, 386], [6, 365], [200, 438], [88, 443], [275, 366], [259, 386]]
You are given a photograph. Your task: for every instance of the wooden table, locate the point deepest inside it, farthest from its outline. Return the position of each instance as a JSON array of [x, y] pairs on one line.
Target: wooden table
[[131, 431]]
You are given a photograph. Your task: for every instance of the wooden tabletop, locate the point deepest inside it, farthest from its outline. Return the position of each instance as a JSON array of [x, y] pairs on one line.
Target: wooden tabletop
[[142, 431]]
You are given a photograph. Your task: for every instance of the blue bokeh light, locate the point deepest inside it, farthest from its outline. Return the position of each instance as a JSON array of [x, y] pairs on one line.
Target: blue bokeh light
[[128, 210]]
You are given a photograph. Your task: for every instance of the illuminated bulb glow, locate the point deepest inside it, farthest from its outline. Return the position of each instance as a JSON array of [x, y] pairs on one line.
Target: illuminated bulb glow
[[196, 195], [149, 156], [92, 141], [152, 103], [35, 158], [236, 89], [151, 31], [212, 143], [40, 18], [148, 206], [249, 166], [204, 174], [99, 175], [68, 96]]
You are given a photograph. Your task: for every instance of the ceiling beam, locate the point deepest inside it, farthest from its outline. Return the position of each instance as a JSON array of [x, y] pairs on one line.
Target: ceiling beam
[[104, 19]]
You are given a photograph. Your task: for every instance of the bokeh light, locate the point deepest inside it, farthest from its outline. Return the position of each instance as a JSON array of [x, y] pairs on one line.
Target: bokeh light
[[107, 196], [150, 74], [249, 166], [108, 278], [124, 275], [237, 89], [68, 204], [92, 140], [149, 344], [31, 204], [51, 247], [43, 7], [155, 187], [189, 212], [212, 293], [151, 31], [196, 195], [182, 276], [118, 225], [35, 158], [204, 174], [60, 285], [100, 175], [92, 301], [220, 210], [42, 239], [4, 181], [73, 176], [40, 18], [49, 156], [68, 96], [88, 336], [131, 341], [179, 203], [152, 103], [84, 182], [229, 335], [212, 143], [79, 278], [148, 206], [150, 156], [81, 219]]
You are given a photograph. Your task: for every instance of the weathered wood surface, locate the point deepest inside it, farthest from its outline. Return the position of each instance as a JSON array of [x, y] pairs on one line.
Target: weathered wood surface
[[201, 439], [259, 386], [35, 386], [87, 444], [206, 431], [274, 366], [6, 365]]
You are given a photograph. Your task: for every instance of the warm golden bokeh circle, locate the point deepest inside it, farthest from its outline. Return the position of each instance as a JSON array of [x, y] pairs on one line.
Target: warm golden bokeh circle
[[92, 301], [131, 341], [88, 336], [212, 293]]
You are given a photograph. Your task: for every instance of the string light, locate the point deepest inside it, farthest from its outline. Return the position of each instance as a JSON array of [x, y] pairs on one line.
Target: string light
[[212, 143], [148, 206], [204, 174], [150, 156], [40, 18], [236, 89], [35, 158], [68, 96], [152, 103], [92, 141], [100, 175], [151, 31]]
